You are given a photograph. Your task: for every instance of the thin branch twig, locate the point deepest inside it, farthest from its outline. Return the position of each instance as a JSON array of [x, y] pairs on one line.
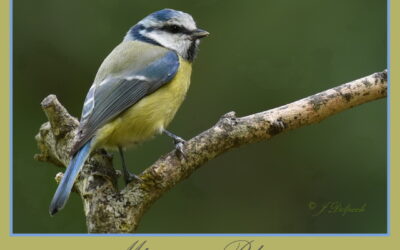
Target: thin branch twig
[[109, 210]]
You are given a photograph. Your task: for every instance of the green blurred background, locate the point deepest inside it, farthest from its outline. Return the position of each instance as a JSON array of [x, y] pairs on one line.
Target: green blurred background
[[260, 55]]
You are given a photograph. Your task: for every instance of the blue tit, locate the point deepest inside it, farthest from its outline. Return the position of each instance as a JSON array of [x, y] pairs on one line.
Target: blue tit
[[136, 92]]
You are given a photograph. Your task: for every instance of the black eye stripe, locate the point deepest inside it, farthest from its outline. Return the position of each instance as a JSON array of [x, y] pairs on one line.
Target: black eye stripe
[[175, 29]]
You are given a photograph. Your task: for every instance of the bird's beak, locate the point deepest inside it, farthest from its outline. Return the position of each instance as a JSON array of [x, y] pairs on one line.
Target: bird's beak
[[199, 33]]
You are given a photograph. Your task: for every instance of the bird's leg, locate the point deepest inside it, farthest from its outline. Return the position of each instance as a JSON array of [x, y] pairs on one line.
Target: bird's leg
[[128, 176], [178, 141]]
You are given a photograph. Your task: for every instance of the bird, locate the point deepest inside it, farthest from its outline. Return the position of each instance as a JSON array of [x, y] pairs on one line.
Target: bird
[[136, 92]]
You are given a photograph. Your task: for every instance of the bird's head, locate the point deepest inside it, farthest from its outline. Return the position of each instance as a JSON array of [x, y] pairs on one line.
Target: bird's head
[[171, 29]]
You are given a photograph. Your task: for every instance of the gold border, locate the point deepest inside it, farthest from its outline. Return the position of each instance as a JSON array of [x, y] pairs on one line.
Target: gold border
[[107, 243], [5, 115]]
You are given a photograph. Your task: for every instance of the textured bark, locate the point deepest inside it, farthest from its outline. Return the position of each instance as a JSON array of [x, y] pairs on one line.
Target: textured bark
[[109, 210]]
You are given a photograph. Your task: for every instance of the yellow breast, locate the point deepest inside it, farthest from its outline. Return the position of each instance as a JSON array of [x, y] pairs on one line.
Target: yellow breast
[[148, 116]]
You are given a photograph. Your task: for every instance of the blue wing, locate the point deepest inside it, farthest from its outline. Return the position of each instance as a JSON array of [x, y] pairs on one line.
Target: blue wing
[[114, 94]]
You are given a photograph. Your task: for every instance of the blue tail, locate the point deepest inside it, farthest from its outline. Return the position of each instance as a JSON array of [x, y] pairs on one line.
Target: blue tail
[[64, 188]]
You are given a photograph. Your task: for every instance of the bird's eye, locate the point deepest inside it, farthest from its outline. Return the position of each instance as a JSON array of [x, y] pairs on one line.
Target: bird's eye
[[173, 28]]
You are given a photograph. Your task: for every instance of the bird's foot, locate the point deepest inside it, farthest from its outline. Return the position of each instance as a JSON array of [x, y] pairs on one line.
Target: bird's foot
[[129, 177], [179, 142]]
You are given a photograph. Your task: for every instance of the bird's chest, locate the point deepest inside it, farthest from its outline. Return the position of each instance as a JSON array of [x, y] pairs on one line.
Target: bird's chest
[[151, 114]]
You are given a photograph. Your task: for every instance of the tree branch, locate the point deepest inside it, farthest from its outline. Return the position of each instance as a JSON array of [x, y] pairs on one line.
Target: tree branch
[[109, 210]]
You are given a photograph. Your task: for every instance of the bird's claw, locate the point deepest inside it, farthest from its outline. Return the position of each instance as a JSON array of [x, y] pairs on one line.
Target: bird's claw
[[129, 177], [178, 141], [179, 144]]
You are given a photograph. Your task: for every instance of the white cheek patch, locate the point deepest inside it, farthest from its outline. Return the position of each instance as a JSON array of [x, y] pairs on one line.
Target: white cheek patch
[[178, 42], [161, 37]]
